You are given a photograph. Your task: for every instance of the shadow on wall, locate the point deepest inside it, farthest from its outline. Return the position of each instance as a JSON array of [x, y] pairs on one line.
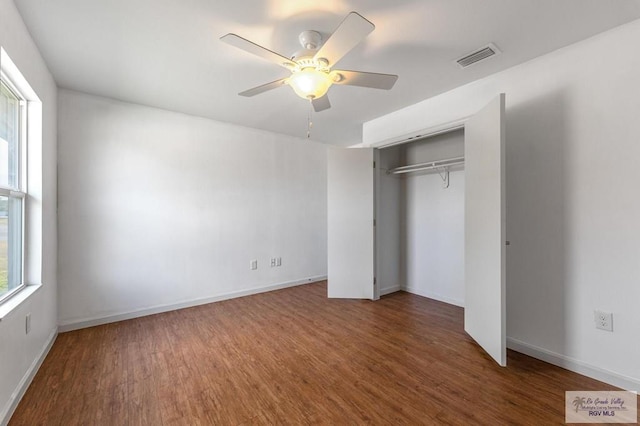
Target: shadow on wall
[[537, 309]]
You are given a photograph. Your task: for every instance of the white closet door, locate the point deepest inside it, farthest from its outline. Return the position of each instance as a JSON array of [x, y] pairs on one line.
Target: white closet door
[[484, 314], [350, 205]]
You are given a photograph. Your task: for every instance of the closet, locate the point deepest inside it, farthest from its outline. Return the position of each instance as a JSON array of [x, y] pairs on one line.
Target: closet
[[380, 227], [420, 218]]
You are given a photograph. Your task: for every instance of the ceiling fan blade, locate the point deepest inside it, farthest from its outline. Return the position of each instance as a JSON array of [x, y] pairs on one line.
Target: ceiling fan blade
[[349, 33], [249, 46], [364, 79], [320, 104], [264, 88]]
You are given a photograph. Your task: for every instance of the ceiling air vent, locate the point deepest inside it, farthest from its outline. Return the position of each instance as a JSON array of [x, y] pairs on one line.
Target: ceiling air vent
[[479, 55]]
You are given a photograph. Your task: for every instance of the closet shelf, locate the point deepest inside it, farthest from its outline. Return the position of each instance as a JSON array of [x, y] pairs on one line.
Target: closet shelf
[[427, 166]]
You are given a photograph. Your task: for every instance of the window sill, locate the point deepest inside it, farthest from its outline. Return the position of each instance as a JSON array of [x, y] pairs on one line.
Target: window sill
[[15, 301]]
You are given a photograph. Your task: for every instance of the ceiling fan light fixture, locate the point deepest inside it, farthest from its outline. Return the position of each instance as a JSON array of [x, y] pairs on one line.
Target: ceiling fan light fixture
[[309, 83], [311, 68]]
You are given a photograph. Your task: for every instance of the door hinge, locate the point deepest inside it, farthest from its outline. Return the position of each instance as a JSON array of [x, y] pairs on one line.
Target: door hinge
[[374, 164], [374, 222], [375, 281]]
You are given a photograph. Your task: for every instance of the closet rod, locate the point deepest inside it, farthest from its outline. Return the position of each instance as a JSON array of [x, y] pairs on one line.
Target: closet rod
[[428, 166]]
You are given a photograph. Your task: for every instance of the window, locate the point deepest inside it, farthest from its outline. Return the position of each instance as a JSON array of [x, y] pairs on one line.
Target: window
[[13, 125]]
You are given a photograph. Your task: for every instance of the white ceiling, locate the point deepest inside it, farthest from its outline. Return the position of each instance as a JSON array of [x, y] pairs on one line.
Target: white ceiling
[[167, 53]]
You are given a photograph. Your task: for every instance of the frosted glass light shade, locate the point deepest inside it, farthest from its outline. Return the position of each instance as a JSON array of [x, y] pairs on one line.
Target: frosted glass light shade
[[310, 83]]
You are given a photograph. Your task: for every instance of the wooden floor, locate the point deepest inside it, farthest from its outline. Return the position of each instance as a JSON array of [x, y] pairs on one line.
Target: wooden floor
[[292, 357]]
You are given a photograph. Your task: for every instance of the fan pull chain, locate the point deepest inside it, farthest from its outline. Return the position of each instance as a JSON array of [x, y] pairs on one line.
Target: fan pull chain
[[309, 122]]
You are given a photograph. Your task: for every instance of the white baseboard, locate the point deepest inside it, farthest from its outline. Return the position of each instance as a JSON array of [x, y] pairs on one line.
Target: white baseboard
[[22, 387], [389, 290], [77, 324], [434, 296], [572, 364]]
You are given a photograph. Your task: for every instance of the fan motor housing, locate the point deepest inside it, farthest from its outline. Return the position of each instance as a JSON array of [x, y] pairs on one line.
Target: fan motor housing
[[305, 59]]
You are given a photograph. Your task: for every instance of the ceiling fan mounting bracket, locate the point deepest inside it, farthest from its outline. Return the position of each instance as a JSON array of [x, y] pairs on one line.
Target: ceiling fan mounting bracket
[[310, 39]]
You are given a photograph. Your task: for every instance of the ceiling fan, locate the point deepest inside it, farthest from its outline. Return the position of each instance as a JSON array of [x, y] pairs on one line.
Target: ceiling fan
[[311, 68]]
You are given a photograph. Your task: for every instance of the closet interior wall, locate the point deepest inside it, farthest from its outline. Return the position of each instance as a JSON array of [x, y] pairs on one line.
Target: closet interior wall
[[419, 223]]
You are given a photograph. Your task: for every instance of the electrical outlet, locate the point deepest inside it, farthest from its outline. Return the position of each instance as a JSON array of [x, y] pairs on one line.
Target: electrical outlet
[[604, 320], [27, 323], [278, 261], [273, 262], [254, 265]]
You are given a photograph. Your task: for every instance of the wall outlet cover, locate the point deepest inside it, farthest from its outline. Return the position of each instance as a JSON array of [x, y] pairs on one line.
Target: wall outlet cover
[[604, 320]]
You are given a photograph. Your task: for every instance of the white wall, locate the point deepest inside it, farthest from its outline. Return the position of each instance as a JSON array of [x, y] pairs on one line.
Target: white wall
[[20, 352], [159, 209], [572, 198], [434, 222]]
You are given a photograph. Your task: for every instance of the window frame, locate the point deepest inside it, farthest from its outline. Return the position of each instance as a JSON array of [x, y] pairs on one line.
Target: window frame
[[20, 189]]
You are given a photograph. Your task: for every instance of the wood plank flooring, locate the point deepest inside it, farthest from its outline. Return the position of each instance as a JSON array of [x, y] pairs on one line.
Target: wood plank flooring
[[292, 357]]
